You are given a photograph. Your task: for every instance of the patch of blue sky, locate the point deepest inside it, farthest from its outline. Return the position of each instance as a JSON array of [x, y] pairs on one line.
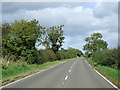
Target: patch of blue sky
[[88, 4]]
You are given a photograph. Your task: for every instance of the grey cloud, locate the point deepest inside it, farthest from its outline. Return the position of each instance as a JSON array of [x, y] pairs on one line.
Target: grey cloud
[[79, 21], [11, 7], [105, 8]]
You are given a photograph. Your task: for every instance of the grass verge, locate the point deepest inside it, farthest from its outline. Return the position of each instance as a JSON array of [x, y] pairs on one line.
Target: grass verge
[[19, 69], [110, 73]]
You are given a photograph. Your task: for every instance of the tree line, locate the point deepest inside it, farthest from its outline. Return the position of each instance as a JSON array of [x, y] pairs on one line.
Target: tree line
[[20, 37], [97, 50]]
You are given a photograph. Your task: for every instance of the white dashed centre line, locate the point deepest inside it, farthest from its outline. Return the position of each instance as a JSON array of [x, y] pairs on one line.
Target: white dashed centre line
[[66, 77], [73, 64], [69, 70]]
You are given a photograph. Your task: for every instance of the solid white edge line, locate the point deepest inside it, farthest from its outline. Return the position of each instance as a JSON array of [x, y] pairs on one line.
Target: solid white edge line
[[21, 79], [103, 77], [29, 76], [88, 63]]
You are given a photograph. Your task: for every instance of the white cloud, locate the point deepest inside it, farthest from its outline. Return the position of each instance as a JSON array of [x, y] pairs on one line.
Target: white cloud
[[79, 21]]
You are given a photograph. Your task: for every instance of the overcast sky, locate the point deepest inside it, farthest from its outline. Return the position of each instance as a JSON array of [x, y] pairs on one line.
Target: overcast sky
[[80, 19]]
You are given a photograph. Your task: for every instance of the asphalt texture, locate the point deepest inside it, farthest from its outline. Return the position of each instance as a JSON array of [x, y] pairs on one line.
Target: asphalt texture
[[71, 74]]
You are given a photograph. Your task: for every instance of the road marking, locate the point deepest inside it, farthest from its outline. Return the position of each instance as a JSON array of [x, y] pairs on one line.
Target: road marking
[[66, 77], [103, 76], [69, 70], [74, 63], [105, 79], [88, 63], [22, 78], [30, 75]]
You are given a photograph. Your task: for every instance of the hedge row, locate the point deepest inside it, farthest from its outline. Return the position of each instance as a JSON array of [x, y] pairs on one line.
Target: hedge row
[[49, 55], [69, 53], [107, 57], [34, 56], [39, 57]]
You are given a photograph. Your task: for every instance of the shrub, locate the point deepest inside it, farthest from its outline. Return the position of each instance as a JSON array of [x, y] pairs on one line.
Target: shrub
[[43, 57], [101, 57], [107, 57], [63, 54], [68, 53], [113, 58], [51, 55], [59, 55], [46, 55], [31, 56]]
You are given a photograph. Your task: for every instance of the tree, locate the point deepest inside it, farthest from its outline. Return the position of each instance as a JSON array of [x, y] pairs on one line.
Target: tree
[[54, 38], [95, 43], [20, 37]]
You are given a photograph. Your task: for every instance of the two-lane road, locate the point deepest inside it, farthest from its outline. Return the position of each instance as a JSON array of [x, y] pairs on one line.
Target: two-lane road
[[71, 74]]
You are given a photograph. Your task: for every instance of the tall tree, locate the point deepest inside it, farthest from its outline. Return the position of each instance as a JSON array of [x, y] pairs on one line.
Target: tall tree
[[54, 38], [95, 43], [20, 37]]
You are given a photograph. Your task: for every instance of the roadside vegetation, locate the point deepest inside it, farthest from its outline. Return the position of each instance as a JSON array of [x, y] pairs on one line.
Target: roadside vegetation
[[103, 59], [110, 73], [21, 56], [20, 69], [20, 42]]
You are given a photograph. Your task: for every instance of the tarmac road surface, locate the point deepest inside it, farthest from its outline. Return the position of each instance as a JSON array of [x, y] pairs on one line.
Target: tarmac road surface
[[71, 74]]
